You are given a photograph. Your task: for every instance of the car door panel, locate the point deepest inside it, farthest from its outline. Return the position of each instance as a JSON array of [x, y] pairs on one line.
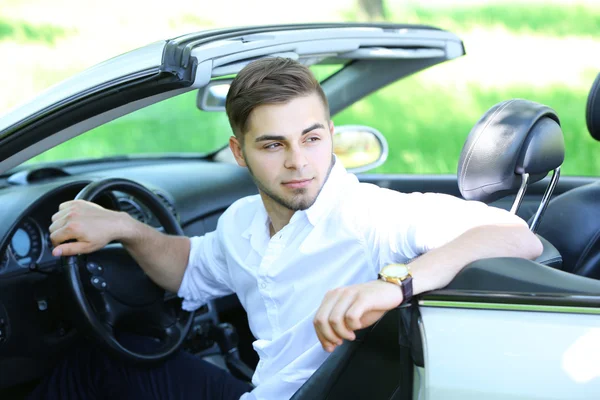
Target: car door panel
[[529, 354]]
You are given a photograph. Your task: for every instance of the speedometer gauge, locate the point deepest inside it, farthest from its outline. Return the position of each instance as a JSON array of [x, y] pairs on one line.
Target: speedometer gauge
[[26, 243]]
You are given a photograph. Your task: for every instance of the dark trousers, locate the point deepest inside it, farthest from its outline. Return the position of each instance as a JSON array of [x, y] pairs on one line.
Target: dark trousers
[[87, 373]]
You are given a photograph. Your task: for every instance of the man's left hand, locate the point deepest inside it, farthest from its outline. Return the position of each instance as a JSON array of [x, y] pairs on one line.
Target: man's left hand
[[347, 309]]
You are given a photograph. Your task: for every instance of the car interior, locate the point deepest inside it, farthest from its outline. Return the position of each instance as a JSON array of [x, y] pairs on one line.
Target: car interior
[[49, 303]]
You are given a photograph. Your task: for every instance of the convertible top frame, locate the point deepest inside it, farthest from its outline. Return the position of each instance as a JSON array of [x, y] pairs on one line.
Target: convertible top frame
[[189, 62]]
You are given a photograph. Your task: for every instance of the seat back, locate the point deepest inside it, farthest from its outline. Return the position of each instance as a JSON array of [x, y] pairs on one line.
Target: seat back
[[572, 220], [515, 143]]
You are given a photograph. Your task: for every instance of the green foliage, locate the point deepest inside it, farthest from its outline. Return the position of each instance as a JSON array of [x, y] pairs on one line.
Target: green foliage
[[426, 126], [424, 120], [22, 32], [174, 125], [549, 19]]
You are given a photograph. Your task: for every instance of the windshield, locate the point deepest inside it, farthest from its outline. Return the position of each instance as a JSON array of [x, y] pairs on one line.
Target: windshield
[[171, 126]]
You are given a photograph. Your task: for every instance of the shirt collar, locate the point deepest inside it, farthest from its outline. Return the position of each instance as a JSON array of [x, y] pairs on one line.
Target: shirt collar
[[323, 203], [259, 222], [329, 193]]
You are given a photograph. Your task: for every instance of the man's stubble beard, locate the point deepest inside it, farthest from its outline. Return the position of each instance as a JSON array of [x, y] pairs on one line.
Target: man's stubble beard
[[297, 203]]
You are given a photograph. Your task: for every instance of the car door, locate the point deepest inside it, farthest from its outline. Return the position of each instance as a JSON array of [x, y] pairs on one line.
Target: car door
[[510, 329]]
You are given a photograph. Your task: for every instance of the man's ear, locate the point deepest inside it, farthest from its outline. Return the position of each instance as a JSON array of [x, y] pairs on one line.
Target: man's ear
[[236, 149], [331, 127]]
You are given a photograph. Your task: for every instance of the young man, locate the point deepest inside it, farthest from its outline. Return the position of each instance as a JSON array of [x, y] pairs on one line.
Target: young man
[[304, 255]]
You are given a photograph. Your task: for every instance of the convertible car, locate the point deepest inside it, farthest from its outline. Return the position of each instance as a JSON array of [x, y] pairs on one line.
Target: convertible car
[[503, 329]]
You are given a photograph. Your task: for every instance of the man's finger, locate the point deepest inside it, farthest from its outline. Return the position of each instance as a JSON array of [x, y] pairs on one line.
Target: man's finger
[[56, 225], [326, 344], [60, 214], [69, 249], [66, 204], [337, 317], [353, 316], [321, 320], [360, 315], [62, 235]]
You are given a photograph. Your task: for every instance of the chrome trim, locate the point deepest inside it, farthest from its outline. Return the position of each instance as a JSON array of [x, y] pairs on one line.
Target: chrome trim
[[510, 307], [545, 200], [520, 194]]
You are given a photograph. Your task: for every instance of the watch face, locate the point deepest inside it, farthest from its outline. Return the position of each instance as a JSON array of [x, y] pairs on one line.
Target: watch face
[[395, 270]]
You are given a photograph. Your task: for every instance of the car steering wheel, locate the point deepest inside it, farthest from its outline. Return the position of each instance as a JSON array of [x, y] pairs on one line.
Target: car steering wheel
[[110, 289]]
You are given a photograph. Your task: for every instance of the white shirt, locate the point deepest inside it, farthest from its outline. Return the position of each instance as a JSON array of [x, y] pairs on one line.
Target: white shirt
[[351, 231]]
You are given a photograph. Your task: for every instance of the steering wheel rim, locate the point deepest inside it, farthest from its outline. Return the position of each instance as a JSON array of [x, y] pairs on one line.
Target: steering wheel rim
[[102, 328]]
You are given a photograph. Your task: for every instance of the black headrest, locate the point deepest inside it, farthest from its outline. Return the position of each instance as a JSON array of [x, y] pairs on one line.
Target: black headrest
[[512, 138], [592, 113]]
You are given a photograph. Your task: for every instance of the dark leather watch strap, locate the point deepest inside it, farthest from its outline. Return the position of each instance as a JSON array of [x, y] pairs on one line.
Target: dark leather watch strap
[[407, 289]]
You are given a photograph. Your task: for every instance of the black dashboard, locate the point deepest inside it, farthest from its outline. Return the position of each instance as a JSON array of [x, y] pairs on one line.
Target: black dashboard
[[192, 191], [28, 246], [34, 326]]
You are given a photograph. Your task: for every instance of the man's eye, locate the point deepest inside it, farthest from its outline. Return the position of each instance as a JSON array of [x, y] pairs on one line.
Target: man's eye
[[313, 139], [272, 146]]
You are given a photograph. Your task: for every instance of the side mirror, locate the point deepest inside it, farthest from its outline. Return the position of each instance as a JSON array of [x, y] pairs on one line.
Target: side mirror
[[212, 96], [359, 148]]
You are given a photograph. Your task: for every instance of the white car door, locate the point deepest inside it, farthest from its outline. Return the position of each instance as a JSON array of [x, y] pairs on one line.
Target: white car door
[[511, 329]]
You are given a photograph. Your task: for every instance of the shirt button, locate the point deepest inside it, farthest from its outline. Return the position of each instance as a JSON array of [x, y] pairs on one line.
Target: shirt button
[[263, 285]]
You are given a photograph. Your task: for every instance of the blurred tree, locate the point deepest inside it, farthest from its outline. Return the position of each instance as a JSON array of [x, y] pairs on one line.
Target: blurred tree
[[371, 10]]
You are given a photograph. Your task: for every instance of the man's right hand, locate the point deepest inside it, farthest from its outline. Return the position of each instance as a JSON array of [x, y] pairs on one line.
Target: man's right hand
[[92, 226], [162, 257]]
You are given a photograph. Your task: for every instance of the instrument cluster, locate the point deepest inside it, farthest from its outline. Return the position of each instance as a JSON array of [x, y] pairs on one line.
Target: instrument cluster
[[27, 245]]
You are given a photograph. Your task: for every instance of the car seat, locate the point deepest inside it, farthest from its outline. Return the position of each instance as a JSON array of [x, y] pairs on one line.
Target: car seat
[[572, 220], [515, 143]]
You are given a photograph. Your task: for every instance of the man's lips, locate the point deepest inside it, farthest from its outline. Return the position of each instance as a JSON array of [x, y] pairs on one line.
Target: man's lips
[[297, 183]]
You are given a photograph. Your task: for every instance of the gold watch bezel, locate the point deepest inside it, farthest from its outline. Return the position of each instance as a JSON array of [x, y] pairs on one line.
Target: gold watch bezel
[[394, 278]]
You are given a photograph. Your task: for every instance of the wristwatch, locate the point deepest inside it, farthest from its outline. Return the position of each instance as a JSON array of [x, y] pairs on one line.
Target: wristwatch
[[399, 274]]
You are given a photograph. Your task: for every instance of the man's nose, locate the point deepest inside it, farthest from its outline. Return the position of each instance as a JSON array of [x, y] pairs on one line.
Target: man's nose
[[295, 159]]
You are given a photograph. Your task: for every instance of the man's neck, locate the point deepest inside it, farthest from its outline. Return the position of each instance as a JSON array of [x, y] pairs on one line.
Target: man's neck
[[279, 215]]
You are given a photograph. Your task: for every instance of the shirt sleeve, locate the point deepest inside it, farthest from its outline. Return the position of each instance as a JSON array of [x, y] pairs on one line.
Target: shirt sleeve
[[206, 275], [408, 225]]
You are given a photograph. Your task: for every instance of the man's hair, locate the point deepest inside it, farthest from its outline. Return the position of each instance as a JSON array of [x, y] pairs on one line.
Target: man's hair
[[268, 81]]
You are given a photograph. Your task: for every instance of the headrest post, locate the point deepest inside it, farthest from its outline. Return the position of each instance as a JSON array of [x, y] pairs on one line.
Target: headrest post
[[520, 194], [549, 190]]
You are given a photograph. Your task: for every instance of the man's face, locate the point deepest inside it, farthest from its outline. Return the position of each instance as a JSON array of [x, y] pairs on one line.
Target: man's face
[[288, 151]]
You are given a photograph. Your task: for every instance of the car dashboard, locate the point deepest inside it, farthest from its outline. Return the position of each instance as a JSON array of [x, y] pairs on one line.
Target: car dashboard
[[35, 327]]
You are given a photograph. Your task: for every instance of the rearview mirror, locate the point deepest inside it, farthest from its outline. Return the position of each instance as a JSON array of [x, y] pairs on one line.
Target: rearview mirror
[[212, 96], [359, 148]]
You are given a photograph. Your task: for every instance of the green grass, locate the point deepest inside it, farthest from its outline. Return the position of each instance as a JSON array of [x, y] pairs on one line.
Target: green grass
[[174, 125], [549, 19], [426, 125], [22, 32]]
